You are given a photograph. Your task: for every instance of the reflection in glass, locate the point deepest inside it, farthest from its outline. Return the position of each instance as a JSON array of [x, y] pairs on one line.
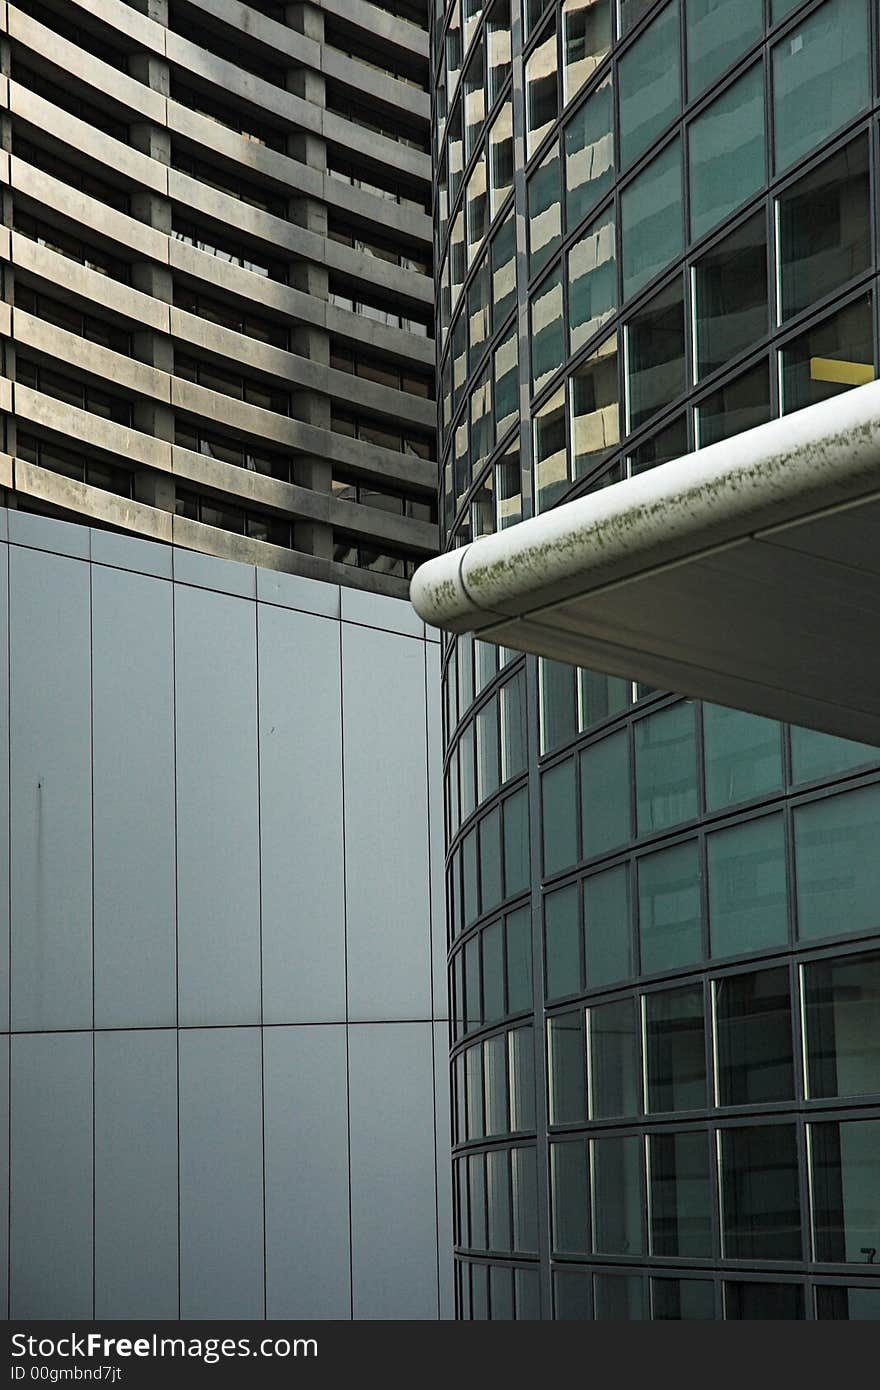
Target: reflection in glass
[[846, 1190], [474, 100], [730, 292], [837, 864], [656, 355], [567, 1068], [545, 211], [608, 927], [680, 1194], [834, 356], [605, 795], [541, 104], [726, 151], [548, 329], [503, 256], [589, 153], [851, 1302], [669, 908], [760, 1193], [748, 899], [682, 1300], [551, 467], [675, 1049], [508, 488], [506, 377], [586, 39], [477, 207], [592, 281], [717, 33], [501, 157], [666, 768], [669, 443], [601, 696], [742, 753], [613, 1060], [738, 405], [824, 223], [651, 219], [754, 1039], [559, 817], [650, 85], [617, 1195], [821, 77], [594, 410], [498, 47], [842, 1023], [481, 424], [815, 755]]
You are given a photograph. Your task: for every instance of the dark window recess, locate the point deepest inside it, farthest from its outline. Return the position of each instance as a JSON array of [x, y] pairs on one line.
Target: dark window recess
[[241, 388], [259, 526], [398, 503], [70, 246], [225, 181], [70, 464], [344, 296], [372, 118], [391, 188], [230, 315], [68, 173], [350, 41], [235, 49], [348, 235], [86, 39], [382, 435], [347, 550], [241, 453], [380, 370], [67, 317], [227, 114], [68, 100], [78, 393], [225, 249]]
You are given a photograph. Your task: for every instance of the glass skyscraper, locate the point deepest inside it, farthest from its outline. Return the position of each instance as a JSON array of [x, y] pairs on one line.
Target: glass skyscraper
[[656, 226]]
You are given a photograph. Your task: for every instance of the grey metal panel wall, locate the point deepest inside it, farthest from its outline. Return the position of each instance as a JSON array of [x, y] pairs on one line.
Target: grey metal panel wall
[[301, 817], [393, 1191], [386, 825], [308, 1248], [51, 1176], [136, 1173], [218, 865], [443, 1141], [51, 776], [221, 1173], [133, 730]]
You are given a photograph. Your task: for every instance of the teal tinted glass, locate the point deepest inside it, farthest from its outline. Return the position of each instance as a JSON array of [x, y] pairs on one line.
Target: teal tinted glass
[[557, 686], [675, 1045], [656, 354], [738, 405], [592, 280], [726, 151], [842, 1025], [649, 75], [605, 795], [490, 860], [559, 819], [682, 1300], [548, 329], [824, 225], [742, 753], [589, 153], [519, 960], [562, 942], [730, 295], [717, 33], [586, 39], [833, 356], [601, 696], [545, 211], [651, 219], [593, 407], [516, 843], [748, 903], [567, 1062], [669, 443], [608, 927], [617, 1196], [666, 768], [837, 864], [681, 1195], [614, 1060], [568, 1179], [503, 256], [821, 77], [815, 755], [506, 383], [669, 908], [846, 1190]]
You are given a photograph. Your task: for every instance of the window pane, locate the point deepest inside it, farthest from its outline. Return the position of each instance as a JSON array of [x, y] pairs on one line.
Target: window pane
[[513, 727], [651, 219], [748, 902], [559, 817], [548, 330], [516, 844], [846, 1190], [474, 100], [469, 874], [519, 960], [503, 254], [541, 103], [815, 755], [675, 1043], [650, 85], [567, 1068], [617, 1196], [568, 1177], [841, 1301], [558, 703], [562, 938], [726, 150], [498, 1199], [619, 1298], [669, 443], [824, 224], [495, 1084], [522, 1080], [608, 927], [760, 1192], [571, 1295], [669, 908], [593, 403], [501, 1292], [488, 769], [474, 1084], [614, 1060], [501, 157], [682, 1299], [756, 1302], [601, 696], [656, 355], [551, 465], [478, 315], [508, 488], [506, 382], [717, 33], [737, 406], [842, 1022], [592, 281], [605, 795], [821, 77], [681, 1195], [498, 47], [837, 864], [730, 291], [528, 1294], [753, 1019], [666, 768], [743, 756], [586, 39], [477, 1203], [589, 154], [832, 357]]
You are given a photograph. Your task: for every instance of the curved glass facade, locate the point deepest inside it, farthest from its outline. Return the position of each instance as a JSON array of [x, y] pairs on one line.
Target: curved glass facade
[[657, 226]]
